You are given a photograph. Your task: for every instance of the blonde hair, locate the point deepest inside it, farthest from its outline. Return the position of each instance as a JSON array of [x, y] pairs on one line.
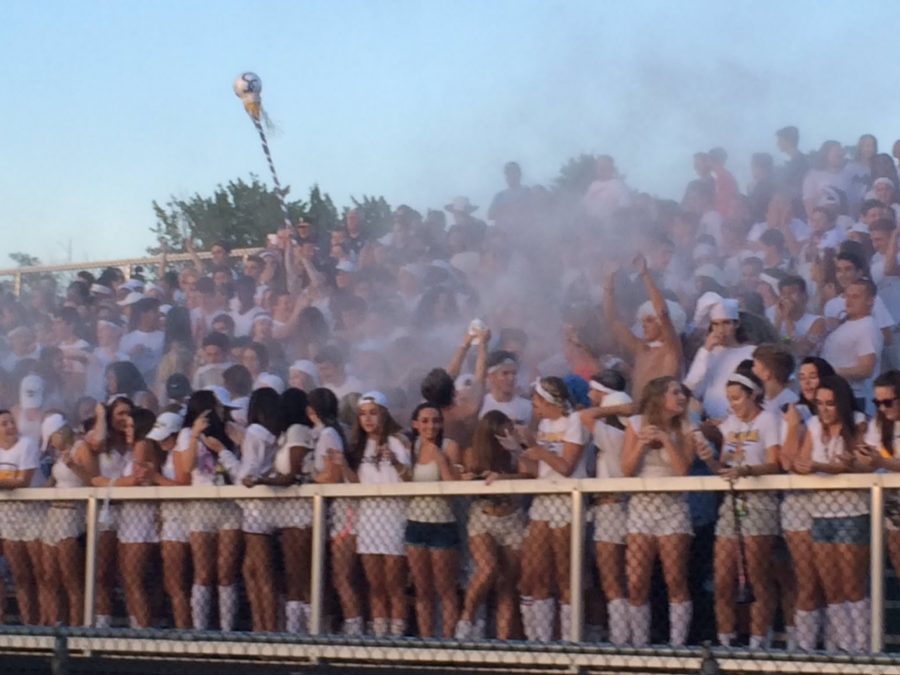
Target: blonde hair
[[653, 399]]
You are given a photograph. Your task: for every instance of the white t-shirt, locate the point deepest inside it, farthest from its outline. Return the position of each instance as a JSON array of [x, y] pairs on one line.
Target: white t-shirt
[[375, 469], [774, 405], [204, 471], [709, 373], [326, 438], [552, 435], [604, 197], [518, 409], [24, 455], [888, 286], [836, 308], [609, 441], [349, 386], [297, 435], [243, 323], [799, 229], [711, 224], [745, 443], [147, 359], [257, 452], [850, 341], [655, 462], [873, 438]]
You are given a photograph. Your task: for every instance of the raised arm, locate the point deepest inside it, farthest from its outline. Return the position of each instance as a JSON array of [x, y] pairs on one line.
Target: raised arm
[[611, 315]]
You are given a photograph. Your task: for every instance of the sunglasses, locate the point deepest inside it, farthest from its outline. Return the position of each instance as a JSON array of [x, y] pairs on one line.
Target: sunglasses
[[884, 402]]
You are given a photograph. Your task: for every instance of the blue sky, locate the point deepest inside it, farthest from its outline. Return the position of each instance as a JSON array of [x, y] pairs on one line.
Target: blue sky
[[109, 105]]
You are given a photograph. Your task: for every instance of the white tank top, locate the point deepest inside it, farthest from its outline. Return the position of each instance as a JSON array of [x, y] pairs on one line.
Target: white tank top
[[656, 462], [429, 509], [114, 463], [64, 476]]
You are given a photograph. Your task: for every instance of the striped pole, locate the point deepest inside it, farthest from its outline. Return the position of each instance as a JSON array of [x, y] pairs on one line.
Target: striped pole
[[265, 146]]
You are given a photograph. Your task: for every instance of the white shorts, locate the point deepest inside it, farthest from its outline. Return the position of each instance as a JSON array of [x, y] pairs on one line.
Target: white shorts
[[341, 518], [23, 521], [174, 516], [381, 526], [659, 515], [553, 509], [293, 513], [507, 531], [795, 513], [758, 514], [65, 520], [211, 516], [138, 523], [610, 522]]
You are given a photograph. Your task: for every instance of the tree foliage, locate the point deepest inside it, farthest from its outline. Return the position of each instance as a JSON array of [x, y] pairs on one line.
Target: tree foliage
[[24, 259], [577, 174], [242, 213]]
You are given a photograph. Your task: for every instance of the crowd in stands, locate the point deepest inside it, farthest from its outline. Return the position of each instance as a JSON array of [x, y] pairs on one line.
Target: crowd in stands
[[736, 332]]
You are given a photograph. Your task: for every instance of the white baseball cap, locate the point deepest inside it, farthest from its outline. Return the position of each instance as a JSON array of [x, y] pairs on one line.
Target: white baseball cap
[[51, 424], [307, 367], [375, 397], [130, 299], [167, 424], [222, 395], [31, 392]]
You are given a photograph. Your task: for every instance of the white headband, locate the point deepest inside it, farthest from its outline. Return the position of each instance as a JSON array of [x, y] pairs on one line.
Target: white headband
[[547, 396], [597, 386], [744, 381], [505, 362]]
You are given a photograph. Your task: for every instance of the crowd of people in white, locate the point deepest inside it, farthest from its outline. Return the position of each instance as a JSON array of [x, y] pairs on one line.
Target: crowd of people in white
[[753, 334]]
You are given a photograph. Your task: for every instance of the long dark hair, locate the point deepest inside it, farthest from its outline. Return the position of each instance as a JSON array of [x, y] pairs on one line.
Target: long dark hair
[[487, 453], [128, 378], [389, 427], [200, 402], [178, 328], [890, 379], [264, 409], [846, 407], [425, 405], [325, 404], [823, 368], [292, 409]]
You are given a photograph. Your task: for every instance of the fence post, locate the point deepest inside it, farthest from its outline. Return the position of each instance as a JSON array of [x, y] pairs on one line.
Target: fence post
[[576, 566], [876, 573], [90, 560], [17, 284], [317, 581]]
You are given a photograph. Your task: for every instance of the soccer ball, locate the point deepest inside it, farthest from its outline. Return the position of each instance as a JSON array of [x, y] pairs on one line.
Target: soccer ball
[[247, 84]]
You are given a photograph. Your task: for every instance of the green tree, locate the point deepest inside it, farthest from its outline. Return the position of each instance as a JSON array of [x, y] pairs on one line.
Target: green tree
[[239, 212], [577, 174], [321, 211], [24, 259], [375, 215]]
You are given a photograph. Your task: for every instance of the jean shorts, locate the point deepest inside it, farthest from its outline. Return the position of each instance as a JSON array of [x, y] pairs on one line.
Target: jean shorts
[[431, 535], [849, 530]]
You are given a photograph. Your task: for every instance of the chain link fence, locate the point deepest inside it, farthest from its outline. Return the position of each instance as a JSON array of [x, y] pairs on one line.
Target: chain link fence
[[774, 574]]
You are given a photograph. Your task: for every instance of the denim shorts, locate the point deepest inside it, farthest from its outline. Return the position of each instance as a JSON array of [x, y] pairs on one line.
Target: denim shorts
[[432, 535], [849, 530]]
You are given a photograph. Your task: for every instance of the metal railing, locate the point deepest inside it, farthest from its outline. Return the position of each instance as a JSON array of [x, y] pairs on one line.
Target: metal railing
[[126, 265], [575, 656]]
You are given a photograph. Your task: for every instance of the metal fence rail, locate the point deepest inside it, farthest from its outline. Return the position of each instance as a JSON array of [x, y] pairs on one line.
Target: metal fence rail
[[124, 264], [572, 653]]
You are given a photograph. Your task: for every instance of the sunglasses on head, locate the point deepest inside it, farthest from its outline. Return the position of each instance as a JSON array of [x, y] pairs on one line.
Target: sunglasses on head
[[884, 402]]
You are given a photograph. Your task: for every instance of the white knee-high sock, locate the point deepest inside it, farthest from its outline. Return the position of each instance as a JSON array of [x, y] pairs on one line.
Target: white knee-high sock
[[228, 606], [838, 627], [380, 626], [353, 627], [526, 608], [201, 599], [103, 621], [398, 627], [306, 610], [619, 632], [544, 614], [860, 616], [806, 625], [725, 639], [293, 617], [565, 622], [639, 620], [679, 622]]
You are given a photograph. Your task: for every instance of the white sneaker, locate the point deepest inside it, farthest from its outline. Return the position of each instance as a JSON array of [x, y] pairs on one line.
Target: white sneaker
[[463, 630]]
